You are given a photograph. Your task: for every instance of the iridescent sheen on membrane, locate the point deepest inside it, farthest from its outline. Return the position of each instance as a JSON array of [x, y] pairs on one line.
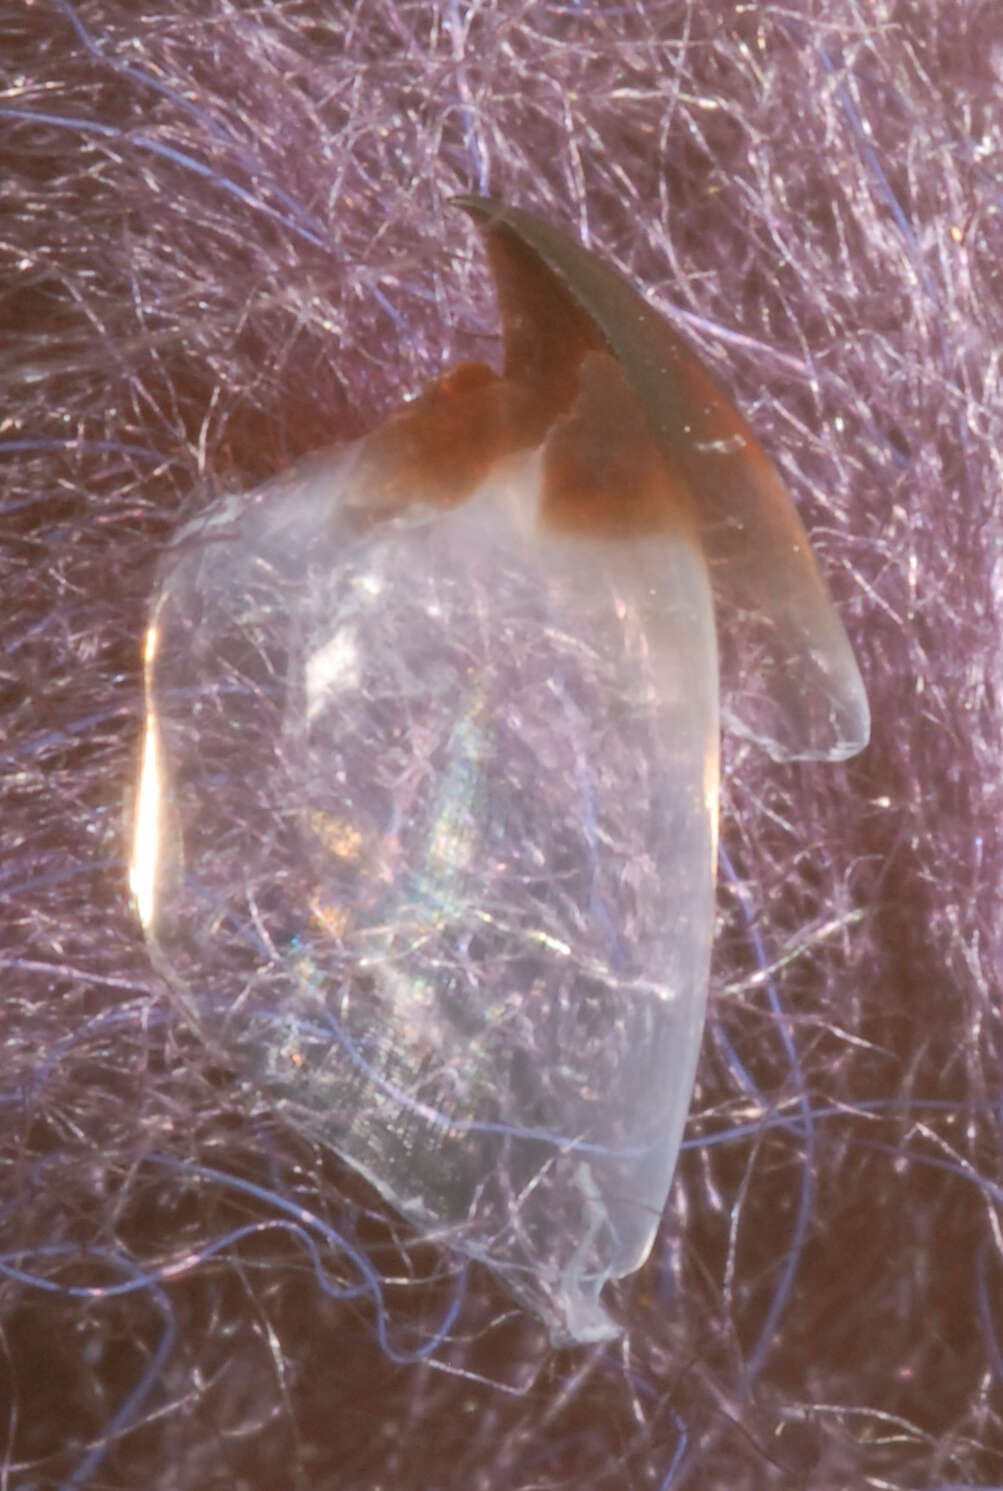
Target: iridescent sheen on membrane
[[426, 824]]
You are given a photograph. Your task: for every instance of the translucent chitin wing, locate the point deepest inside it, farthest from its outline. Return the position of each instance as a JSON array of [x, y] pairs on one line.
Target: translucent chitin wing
[[426, 823]]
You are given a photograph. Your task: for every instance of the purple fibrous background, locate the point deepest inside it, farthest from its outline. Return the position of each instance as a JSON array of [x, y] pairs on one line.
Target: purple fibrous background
[[225, 243]]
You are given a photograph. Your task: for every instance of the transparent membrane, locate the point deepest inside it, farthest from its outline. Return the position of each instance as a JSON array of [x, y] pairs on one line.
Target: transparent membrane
[[425, 844], [426, 825]]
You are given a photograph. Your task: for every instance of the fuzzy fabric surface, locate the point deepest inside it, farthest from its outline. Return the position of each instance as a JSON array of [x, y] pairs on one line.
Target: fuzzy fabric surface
[[225, 243]]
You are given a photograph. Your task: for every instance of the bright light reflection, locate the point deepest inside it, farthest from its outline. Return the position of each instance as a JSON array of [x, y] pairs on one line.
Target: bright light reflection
[[146, 840]]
